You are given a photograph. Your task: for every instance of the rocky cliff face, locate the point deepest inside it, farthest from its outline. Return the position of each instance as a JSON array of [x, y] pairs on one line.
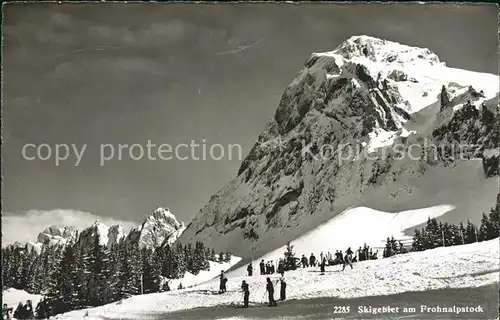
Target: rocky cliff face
[[343, 130]]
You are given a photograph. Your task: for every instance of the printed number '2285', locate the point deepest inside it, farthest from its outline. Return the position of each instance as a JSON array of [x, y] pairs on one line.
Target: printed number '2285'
[[341, 309]]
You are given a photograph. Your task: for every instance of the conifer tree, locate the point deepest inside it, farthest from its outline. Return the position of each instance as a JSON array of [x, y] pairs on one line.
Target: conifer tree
[[494, 219], [417, 243], [167, 267], [98, 269], [462, 231], [433, 232], [471, 235], [64, 287], [181, 262], [188, 257], [199, 259], [484, 228]]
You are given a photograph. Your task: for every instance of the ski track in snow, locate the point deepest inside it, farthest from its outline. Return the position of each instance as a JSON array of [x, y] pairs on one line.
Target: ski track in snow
[[472, 265]]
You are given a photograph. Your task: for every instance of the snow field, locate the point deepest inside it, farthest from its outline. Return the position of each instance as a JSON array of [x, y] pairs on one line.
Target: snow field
[[471, 265]]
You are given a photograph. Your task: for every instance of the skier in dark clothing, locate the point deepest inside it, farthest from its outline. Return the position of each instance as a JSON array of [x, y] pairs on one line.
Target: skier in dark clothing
[[246, 293], [20, 311], [250, 270], [7, 312], [281, 268], [28, 310], [312, 260], [348, 259], [270, 292], [322, 265], [283, 290], [223, 281], [304, 261], [262, 267]]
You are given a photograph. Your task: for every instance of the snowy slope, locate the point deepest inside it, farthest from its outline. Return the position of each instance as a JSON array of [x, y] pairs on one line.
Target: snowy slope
[[368, 95], [353, 228], [190, 279], [12, 297], [470, 265]]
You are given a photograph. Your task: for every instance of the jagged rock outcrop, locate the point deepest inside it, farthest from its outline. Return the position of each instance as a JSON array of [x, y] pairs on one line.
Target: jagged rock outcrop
[[159, 228], [444, 98]]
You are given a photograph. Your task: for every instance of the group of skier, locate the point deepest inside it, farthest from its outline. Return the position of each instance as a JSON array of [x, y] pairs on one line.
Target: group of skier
[[269, 268], [324, 260], [23, 311], [246, 290]]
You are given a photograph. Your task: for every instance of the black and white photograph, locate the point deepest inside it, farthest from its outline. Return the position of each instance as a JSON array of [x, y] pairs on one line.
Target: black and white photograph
[[250, 161]]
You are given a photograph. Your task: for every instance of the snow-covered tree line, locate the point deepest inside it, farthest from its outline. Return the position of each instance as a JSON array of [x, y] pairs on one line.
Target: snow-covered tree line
[[437, 234], [79, 276]]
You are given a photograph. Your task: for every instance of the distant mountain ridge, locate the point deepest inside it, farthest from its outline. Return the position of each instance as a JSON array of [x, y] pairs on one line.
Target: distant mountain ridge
[[159, 227]]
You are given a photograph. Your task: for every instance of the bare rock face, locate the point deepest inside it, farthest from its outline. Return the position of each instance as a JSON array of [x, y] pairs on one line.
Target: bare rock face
[[310, 162]]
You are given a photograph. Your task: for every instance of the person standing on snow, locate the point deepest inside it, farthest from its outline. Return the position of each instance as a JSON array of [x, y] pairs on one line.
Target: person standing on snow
[[349, 251], [7, 312], [262, 268], [283, 290], [304, 261], [281, 267], [270, 291], [273, 268], [20, 311], [322, 265], [347, 259], [250, 270], [246, 293], [29, 313], [223, 280], [312, 260]]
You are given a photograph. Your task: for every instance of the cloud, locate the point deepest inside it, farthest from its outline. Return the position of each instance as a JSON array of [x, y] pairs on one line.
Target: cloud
[[27, 225]]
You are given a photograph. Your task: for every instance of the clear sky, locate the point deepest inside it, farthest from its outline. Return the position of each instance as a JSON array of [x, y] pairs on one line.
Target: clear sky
[[128, 73]]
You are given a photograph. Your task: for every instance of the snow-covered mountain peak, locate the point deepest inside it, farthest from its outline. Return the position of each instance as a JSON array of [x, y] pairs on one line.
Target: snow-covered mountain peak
[[99, 229], [160, 227], [164, 214], [382, 51], [309, 163], [57, 234]]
